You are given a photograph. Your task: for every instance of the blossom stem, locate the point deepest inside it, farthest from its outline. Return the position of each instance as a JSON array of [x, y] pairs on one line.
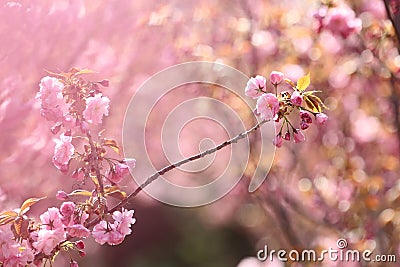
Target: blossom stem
[[286, 119], [170, 167], [95, 158]]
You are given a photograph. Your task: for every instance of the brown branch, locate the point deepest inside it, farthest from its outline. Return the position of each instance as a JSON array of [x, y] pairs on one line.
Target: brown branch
[[95, 158], [170, 167]]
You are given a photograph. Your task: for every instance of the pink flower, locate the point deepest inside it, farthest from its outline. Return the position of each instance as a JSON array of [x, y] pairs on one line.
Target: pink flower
[[267, 106], [123, 221], [321, 118], [296, 98], [115, 238], [51, 219], [53, 106], [67, 209], [277, 140], [114, 233], [50, 92], [73, 264], [100, 232], [276, 77], [298, 136], [130, 162], [118, 173], [342, 20], [47, 240], [96, 107], [106, 234], [255, 85], [78, 230], [13, 253], [63, 152], [62, 195]]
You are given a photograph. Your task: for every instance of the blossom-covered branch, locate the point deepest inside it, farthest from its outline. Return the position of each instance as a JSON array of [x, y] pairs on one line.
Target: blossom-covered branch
[[75, 105]]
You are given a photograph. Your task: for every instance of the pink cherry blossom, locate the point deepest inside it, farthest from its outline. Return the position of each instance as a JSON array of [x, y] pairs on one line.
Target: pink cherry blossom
[[296, 98], [51, 219], [53, 106], [276, 77], [78, 230], [267, 106], [100, 232], [50, 92], [73, 264], [13, 253], [103, 232], [63, 152], [115, 238], [321, 118], [130, 162], [67, 209], [96, 107], [118, 173], [298, 136], [123, 221], [47, 240], [255, 85], [342, 20]]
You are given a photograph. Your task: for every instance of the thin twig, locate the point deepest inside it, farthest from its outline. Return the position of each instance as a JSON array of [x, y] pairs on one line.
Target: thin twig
[[170, 167]]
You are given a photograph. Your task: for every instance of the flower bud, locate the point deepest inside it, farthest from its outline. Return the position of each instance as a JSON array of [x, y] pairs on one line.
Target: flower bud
[[304, 125], [305, 116], [277, 140], [287, 136], [296, 98], [80, 245], [276, 77], [61, 195], [298, 136], [321, 118]]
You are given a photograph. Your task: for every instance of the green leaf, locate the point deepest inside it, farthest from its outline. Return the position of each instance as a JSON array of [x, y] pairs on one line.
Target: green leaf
[[28, 203], [303, 82]]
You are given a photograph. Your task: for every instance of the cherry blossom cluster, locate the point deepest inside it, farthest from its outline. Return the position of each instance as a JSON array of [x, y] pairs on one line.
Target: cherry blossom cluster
[[278, 106], [75, 106], [338, 19]]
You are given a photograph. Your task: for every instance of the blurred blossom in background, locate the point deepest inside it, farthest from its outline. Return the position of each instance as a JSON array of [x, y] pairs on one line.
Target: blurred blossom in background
[[342, 182]]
